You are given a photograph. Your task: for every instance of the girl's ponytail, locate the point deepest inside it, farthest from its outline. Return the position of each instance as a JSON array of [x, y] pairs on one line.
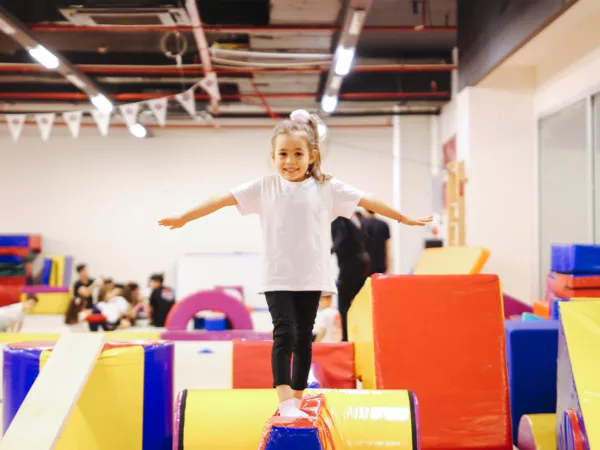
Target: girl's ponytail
[[319, 132]]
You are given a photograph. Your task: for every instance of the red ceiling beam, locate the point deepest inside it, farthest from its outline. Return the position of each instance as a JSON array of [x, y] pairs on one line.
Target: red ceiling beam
[[148, 96], [234, 29], [163, 70]]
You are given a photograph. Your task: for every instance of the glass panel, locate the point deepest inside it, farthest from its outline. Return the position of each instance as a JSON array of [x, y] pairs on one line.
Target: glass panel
[[564, 187]]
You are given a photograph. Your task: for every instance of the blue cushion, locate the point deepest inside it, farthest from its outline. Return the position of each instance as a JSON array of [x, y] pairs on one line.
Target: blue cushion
[[575, 258], [531, 352]]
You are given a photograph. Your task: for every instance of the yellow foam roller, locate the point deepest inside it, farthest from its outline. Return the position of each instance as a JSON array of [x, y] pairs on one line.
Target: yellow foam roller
[[537, 432], [235, 419]]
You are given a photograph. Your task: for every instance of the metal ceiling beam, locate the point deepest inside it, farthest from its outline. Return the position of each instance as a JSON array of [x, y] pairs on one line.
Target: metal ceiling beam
[[196, 70], [236, 28], [13, 28]]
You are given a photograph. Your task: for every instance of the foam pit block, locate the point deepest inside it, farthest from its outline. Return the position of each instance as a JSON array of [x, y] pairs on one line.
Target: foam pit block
[[532, 351], [50, 303], [575, 258], [451, 260], [578, 383], [252, 364], [467, 401], [541, 309], [537, 432], [14, 241]]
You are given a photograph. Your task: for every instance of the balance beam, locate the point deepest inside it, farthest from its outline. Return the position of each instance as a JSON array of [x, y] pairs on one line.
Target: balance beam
[[47, 407]]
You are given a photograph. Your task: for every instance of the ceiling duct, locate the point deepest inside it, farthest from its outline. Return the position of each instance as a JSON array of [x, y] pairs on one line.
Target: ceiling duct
[[126, 15]]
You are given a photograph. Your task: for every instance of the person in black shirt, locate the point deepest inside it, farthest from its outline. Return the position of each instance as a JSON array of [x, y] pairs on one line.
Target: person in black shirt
[[83, 286], [162, 300], [377, 242], [353, 262]]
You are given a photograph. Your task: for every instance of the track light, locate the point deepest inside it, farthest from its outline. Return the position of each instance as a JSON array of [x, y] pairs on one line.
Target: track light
[[44, 57], [344, 61], [329, 103], [102, 103], [139, 131]]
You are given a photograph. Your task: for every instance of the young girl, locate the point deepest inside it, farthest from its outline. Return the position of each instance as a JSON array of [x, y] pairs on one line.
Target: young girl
[[296, 206]]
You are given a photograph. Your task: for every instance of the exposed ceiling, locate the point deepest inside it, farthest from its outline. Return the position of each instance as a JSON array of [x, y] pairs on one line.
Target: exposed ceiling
[[403, 54]]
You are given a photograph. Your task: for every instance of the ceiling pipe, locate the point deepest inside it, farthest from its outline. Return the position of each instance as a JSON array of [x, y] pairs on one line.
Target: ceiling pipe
[[67, 96], [202, 45], [174, 70], [233, 28]]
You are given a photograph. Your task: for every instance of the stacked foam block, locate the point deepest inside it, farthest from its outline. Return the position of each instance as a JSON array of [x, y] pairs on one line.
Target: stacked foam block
[[575, 275], [16, 258]]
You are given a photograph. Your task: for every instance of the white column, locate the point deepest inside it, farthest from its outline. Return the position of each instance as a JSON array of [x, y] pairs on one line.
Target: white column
[[396, 186]]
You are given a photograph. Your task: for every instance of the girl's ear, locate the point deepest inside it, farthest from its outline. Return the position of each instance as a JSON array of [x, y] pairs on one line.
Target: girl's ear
[[313, 156]]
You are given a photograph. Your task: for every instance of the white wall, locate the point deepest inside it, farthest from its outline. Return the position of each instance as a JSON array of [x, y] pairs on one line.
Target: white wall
[[99, 199]]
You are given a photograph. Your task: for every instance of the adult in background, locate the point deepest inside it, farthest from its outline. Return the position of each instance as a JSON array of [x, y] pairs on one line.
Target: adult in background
[[377, 242], [83, 287], [353, 261], [162, 300]]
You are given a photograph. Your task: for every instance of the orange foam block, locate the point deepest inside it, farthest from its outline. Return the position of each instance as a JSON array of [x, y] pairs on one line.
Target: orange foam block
[[442, 337], [334, 364], [541, 309]]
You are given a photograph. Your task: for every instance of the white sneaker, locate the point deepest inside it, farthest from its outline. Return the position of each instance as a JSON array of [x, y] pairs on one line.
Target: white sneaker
[[288, 408]]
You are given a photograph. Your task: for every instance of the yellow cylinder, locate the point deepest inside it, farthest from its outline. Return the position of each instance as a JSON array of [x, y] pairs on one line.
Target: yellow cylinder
[[235, 419]]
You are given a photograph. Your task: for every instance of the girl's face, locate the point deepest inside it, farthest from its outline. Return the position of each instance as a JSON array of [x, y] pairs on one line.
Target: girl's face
[[292, 156]]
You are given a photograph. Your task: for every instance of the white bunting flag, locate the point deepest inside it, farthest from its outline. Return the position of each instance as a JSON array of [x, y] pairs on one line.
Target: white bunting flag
[[188, 101], [211, 86], [158, 106], [15, 124], [45, 122], [130, 113], [102, 119], [73, 121]]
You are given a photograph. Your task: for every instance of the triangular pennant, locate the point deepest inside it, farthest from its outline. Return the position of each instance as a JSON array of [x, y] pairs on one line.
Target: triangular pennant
[[45, 122], [73, 121], [158, 106], [15, 124], [130, 113], [188, 101], [102, 119], [210, 85]]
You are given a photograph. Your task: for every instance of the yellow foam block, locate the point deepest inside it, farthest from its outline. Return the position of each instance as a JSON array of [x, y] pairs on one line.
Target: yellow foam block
[[360, 331], [213, 419], [50, 303], [109, 413], [537, 432], [581, 324], [451, 261], [8, 338]]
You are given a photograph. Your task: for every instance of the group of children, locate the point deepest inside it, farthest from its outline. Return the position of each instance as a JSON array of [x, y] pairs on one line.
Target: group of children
[[104, 304]]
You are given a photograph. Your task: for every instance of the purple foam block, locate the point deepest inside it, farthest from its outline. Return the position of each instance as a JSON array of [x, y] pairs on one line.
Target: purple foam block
[[514, 307], [228, 335], [41, 289]]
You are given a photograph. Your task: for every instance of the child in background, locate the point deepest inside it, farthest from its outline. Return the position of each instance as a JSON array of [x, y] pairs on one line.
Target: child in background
[[328, 324], [13, 316], [296, 206]]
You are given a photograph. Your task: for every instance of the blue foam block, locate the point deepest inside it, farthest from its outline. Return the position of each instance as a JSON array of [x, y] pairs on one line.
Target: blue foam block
[[10, 259], [554, 307], [532, 352], [287, 438], [14, 241], [575, 258], [215, 324]]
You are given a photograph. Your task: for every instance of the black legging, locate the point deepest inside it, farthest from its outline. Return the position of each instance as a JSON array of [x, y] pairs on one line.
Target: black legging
[[352, 276], [293, 315]]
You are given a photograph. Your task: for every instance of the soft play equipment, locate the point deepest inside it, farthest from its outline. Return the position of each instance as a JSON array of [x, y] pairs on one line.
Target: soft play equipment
[[126, 403], [454, 260], [443, 338], [532, 350], [235, 419], [513, 307], [215, 300], [334, 364], [537, 432], [578, 388], [575, 258]]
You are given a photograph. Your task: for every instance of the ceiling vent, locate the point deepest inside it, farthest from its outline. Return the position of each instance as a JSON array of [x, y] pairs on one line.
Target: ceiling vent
[[126, 16]]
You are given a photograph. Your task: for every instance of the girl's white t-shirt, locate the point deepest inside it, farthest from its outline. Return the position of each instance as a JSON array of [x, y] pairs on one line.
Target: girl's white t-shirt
[[296, 226]]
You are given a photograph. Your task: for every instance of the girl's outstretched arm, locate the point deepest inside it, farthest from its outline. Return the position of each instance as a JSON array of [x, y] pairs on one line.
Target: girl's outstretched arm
[[204, 209], [383, 209]]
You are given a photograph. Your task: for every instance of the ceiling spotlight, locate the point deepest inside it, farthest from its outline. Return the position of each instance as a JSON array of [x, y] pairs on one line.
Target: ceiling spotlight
[[102, 103], [139, 131], [329, 103], [44, 57], [344, 61]]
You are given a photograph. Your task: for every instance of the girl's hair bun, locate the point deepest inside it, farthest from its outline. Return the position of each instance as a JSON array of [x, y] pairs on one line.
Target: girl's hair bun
[[300, 115]]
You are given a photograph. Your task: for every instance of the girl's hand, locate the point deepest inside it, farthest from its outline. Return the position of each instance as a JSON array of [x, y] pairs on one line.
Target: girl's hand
[[422, 221], [172, 222]]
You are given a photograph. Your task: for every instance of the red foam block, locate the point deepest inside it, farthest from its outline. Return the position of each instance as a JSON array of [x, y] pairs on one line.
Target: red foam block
[[443, 338], [252, 364]]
